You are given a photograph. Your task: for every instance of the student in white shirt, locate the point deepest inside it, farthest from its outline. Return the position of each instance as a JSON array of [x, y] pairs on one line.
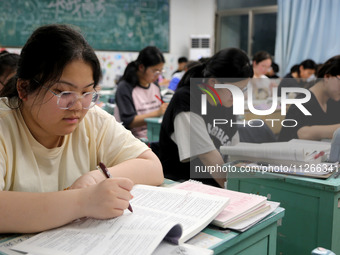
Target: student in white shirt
[[52, 137]]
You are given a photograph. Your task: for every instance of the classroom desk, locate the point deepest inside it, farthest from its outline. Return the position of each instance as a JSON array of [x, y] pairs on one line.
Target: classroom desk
[[312, 217], [153, 128], [260, 239]]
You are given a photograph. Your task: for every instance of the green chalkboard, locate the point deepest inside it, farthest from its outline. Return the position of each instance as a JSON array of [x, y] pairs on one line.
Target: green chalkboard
[[115, 25]]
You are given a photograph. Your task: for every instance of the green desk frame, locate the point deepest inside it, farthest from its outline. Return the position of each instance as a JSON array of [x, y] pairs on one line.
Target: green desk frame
[[153, 128], [312, 207], [260, 239]]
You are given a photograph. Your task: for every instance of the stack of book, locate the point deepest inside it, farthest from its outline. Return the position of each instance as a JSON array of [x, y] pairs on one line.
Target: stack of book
[[243, 210], [298, 157]]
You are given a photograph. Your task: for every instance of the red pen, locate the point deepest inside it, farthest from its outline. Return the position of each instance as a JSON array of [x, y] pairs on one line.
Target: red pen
[[159, 99], [320, 154], [108, 175]]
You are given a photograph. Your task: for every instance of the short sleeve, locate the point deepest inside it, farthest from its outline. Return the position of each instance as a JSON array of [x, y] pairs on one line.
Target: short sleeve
[[191, 136], [125, 104], [114, 143]]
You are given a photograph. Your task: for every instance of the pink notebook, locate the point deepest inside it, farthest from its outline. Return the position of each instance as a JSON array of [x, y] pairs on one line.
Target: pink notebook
[[240, 204]]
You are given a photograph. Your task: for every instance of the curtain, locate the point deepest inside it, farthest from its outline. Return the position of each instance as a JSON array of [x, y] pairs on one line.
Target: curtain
[[306, 29]]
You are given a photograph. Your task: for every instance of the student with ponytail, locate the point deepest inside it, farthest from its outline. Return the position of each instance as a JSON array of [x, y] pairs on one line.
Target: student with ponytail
[[137, 96], [189, 140]]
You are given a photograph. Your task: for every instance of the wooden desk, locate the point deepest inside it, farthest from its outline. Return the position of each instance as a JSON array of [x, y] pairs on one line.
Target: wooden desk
[[312, 209]]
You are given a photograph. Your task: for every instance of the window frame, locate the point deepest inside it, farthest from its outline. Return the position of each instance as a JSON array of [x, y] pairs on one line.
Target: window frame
[[250, 11]]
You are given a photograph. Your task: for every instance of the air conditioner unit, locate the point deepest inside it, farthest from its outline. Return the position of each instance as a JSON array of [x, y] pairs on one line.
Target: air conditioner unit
[[200, 47]]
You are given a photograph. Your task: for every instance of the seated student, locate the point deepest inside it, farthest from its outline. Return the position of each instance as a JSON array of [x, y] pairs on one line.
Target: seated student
[[187, 138], [137, 96], [262, 85], [8, 66], [52, 137], [182, 62], [299, 76], [272, 71], [178, 76], [325, 118]]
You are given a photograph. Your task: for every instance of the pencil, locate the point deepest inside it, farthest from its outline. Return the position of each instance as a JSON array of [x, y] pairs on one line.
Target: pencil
[[108, 175], [159, 99]]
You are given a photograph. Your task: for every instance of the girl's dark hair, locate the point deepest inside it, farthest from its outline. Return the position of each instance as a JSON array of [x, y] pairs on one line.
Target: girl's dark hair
[[46, 53], [331, 67], [149, 56], [231, 63], [261, 55], [8, 62]]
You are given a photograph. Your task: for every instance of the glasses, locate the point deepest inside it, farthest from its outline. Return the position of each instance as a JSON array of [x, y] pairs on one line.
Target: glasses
[[157, 72], [67, 99]]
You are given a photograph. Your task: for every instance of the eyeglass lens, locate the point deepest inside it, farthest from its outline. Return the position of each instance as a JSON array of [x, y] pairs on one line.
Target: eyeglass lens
[[68, 99]]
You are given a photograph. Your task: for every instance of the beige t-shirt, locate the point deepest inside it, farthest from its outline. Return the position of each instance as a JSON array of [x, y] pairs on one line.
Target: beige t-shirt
[[26, 165]]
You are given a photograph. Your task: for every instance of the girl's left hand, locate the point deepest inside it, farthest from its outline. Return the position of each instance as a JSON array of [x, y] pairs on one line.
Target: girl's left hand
[[85, 180]]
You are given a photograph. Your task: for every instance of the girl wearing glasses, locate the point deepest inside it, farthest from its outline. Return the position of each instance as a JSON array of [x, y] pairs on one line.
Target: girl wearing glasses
[[52, 137], [323, 106], [189, 139], [137, 95]]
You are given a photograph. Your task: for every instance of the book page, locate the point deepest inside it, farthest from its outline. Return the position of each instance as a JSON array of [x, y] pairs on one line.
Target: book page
[[253, 219], [157, 212], [128, 234], [240, 203], [194, 211]]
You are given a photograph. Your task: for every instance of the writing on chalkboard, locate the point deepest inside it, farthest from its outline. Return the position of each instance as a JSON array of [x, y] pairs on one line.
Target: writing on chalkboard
[[115, 25]]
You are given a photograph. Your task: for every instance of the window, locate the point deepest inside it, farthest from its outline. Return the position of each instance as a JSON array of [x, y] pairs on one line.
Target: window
[[251, 29]]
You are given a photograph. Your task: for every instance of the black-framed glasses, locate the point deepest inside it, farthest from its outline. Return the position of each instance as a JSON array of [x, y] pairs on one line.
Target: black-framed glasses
[[67, 99]]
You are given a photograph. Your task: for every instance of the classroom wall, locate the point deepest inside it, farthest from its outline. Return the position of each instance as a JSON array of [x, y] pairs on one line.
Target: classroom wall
[[187, 17]]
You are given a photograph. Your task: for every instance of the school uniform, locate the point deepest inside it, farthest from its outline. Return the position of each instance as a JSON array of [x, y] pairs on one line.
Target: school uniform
[[185, 134], [318, 117], [136, 100]]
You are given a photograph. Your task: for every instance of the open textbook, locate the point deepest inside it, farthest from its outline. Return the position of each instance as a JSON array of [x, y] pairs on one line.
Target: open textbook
[[158, 213], [243, 209], [292, 152]]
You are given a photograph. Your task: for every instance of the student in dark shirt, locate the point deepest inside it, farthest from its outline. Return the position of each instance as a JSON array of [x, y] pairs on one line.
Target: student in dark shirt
[[299, 75], [182, 62], [323, 105], [189, 139]]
